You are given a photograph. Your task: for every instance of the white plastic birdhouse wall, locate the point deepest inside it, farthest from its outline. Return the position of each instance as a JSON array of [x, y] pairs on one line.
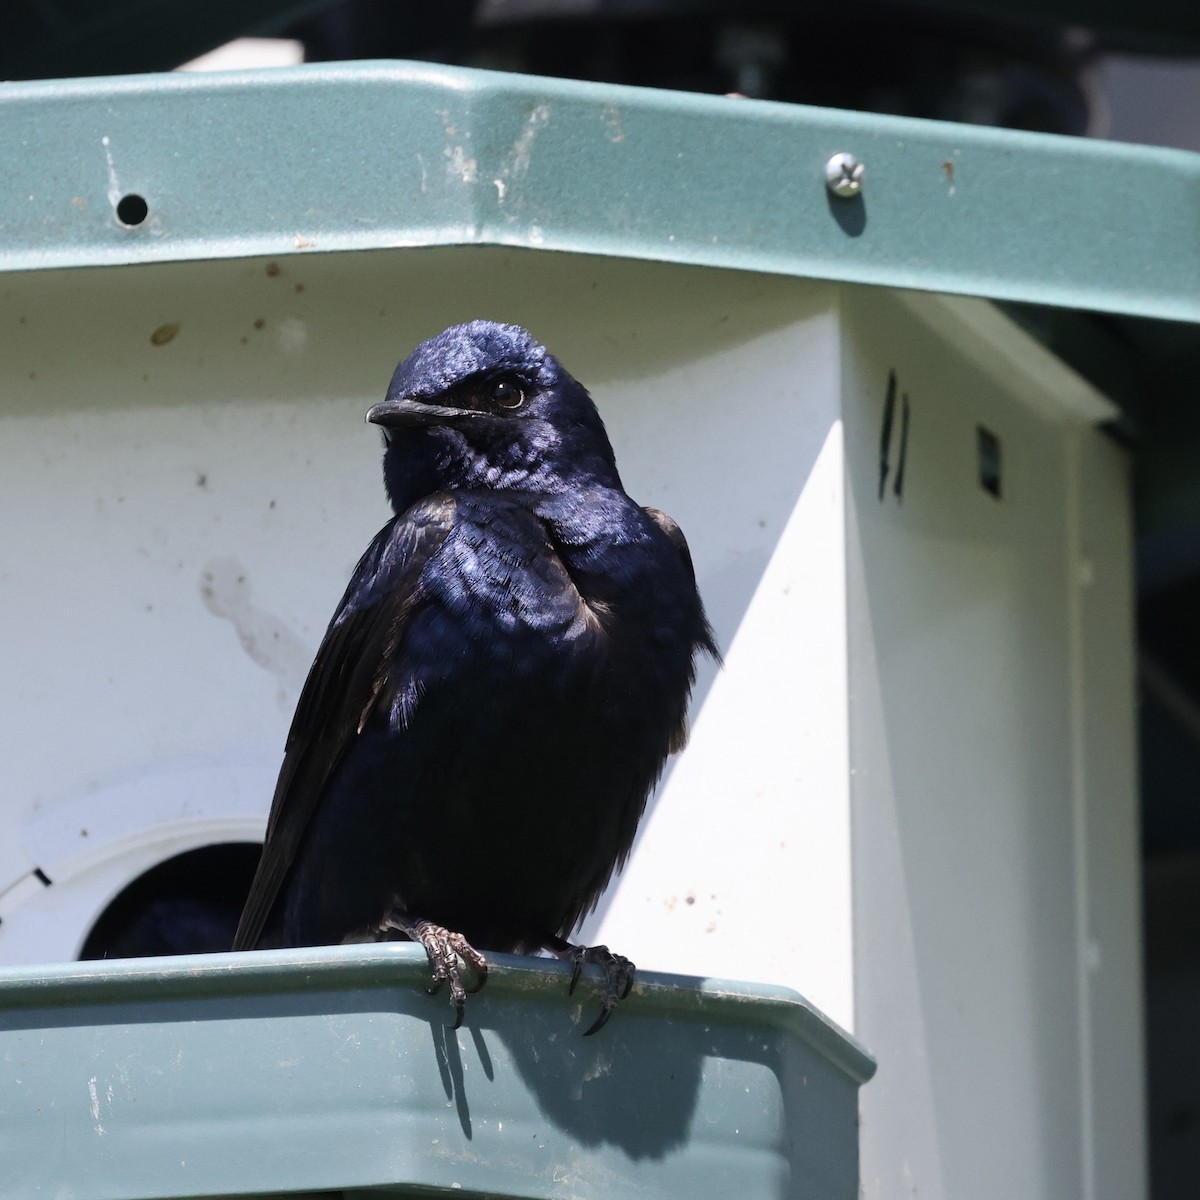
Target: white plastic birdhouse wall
[[909, 792]]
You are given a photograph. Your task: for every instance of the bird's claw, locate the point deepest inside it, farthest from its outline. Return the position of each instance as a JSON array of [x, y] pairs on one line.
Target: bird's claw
[[618, 979], [444, 948]]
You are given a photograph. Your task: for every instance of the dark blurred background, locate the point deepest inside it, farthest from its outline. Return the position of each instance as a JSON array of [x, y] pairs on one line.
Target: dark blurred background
[[1115, 69]]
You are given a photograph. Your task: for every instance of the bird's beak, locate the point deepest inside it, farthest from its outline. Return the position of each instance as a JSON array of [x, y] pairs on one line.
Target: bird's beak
[[398, 414]]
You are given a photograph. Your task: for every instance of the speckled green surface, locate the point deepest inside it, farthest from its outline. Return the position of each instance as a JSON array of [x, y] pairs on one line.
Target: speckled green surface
[[357, 156], [332, 1069]]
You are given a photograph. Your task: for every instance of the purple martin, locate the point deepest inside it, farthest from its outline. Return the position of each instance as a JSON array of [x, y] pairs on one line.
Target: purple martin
[[499, 688]]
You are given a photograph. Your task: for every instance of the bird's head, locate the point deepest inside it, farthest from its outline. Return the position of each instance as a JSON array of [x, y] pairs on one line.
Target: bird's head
[[483, 405]]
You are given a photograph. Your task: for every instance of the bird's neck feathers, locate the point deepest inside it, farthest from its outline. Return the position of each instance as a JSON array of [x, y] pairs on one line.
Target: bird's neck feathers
[[548, 460]]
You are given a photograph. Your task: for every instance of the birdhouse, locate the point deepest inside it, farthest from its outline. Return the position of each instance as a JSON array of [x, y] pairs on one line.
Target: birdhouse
[[909, 791]]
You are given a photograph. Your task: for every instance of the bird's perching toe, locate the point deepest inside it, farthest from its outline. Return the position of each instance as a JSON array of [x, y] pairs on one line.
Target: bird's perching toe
[[444, 948], [618, 975]]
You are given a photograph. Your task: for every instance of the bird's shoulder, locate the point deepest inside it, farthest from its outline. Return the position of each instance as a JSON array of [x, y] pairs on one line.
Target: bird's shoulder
[[617, 549], [410, 539], [462, 559], [501, 566]]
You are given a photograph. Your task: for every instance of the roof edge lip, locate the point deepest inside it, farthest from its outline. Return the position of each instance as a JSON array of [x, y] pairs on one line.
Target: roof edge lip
[[47, 987]]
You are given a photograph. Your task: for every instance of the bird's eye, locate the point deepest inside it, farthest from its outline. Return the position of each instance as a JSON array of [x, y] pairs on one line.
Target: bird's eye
[[505, 393]]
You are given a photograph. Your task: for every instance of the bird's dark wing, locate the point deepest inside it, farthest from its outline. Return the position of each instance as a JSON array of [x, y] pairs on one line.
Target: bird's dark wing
[[706, 641], [343, 685], [672, 530]]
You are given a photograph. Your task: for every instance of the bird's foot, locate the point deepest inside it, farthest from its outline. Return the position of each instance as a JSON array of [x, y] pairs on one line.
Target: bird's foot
[[618, 974], [444, 948]]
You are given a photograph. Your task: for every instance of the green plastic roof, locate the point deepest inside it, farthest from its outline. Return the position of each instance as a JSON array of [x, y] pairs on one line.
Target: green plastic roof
[[331, 1070], [357, 156]]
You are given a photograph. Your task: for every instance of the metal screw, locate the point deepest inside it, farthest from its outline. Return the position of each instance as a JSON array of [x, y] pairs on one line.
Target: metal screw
[[844, 175]]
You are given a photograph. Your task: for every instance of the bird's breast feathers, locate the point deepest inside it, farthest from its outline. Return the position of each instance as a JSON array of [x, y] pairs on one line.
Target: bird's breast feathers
[[506, 568]]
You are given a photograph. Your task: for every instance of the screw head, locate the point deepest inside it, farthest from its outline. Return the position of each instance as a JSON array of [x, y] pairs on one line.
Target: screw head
[[844, 175]]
